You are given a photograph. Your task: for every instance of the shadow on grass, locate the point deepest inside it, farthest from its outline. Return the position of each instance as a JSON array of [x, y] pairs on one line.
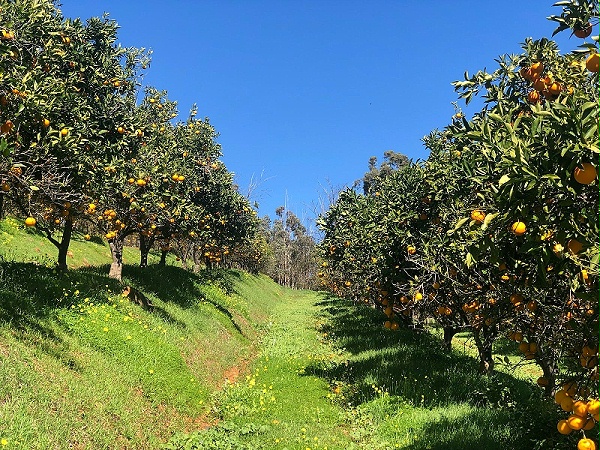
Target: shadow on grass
[[29, 293], [176, 285], [414, 366]]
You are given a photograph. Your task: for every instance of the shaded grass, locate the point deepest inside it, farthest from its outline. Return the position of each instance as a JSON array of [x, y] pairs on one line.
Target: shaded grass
[[83, 367]]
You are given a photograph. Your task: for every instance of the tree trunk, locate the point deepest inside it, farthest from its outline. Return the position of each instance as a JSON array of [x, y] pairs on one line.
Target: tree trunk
[[486, 361], [548, 365], [146, 244], [63, 246], [449, 333], [163, 258], [484, 347], [116, 251]]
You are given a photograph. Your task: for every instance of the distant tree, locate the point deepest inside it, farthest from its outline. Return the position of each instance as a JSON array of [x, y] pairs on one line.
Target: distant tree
[[392, 161], [293, 261]]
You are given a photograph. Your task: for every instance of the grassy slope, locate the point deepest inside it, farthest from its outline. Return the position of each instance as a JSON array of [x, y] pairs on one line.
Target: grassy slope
[[81, 366]]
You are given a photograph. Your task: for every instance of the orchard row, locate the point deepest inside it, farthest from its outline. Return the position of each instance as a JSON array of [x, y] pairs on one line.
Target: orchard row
[[84, 150], [496, 232]]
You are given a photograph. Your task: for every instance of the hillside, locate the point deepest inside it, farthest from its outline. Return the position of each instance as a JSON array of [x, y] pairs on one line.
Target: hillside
[[228, 360]]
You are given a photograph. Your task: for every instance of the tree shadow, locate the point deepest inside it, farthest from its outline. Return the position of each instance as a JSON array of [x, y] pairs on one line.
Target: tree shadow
[[413, 365], [31, 293]]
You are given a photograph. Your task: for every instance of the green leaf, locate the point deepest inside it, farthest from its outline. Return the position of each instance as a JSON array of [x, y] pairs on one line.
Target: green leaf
[[503, 180]]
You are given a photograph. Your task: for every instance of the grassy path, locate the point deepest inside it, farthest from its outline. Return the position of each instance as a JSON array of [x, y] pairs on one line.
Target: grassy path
[[278, 404], [329, 376]]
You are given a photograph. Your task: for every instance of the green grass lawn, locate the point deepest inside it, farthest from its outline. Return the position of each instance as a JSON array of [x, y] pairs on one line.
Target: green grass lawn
[[228, 360]]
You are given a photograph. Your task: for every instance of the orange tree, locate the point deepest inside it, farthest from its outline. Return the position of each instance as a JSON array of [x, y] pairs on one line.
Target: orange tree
[[63, 93]]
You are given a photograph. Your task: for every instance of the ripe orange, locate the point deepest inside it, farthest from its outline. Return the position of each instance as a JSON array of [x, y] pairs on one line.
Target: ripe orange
[[5, 187], [518, 228], [539, 85], [395, 326], [533, 97], [567, 405], [30, 222], [64, 132], [418, 296], [543, 381], [46, 123], [585, 173], [574, 246], [478, 215], [580, 408], [120, 130], [576, 422], [594, 407], [560, 396], [6, 127], [411, 250], [583, 31], [591, 63], [141, 182], [563, 427], [586, 444], [555, 88], [180, 178], [536, 69]]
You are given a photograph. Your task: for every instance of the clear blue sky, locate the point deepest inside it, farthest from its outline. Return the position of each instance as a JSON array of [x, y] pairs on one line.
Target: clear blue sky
[[303, 92]]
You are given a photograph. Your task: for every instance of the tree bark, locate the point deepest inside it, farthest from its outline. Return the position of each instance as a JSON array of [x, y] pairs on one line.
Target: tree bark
[[548, 365], [484, 347], [146, 244], [163, 258], [63, 246], [449, 333], [116, 251]]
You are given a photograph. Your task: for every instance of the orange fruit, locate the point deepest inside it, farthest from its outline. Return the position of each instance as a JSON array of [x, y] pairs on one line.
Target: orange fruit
[[580, 408], [64, 132], [591, 63], [560, 396], [5, 187], [30, 221], [567, 405], [586, 444], [543, 381], [518, 228], [394, 326], [387, 324], [583, 31], [411, 250], [593, 407], [533, 97], [46, 123], [141, 182], [418, 296], [563, 427], [574, 246], [8, 125], [555, 88], [536, 69], [539, 85], [585, 173], [576, 422], [120, 130], [478, 215]]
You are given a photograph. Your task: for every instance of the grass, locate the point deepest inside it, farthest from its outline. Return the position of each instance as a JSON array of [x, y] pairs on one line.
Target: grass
[[227, 360], [83, 367]]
